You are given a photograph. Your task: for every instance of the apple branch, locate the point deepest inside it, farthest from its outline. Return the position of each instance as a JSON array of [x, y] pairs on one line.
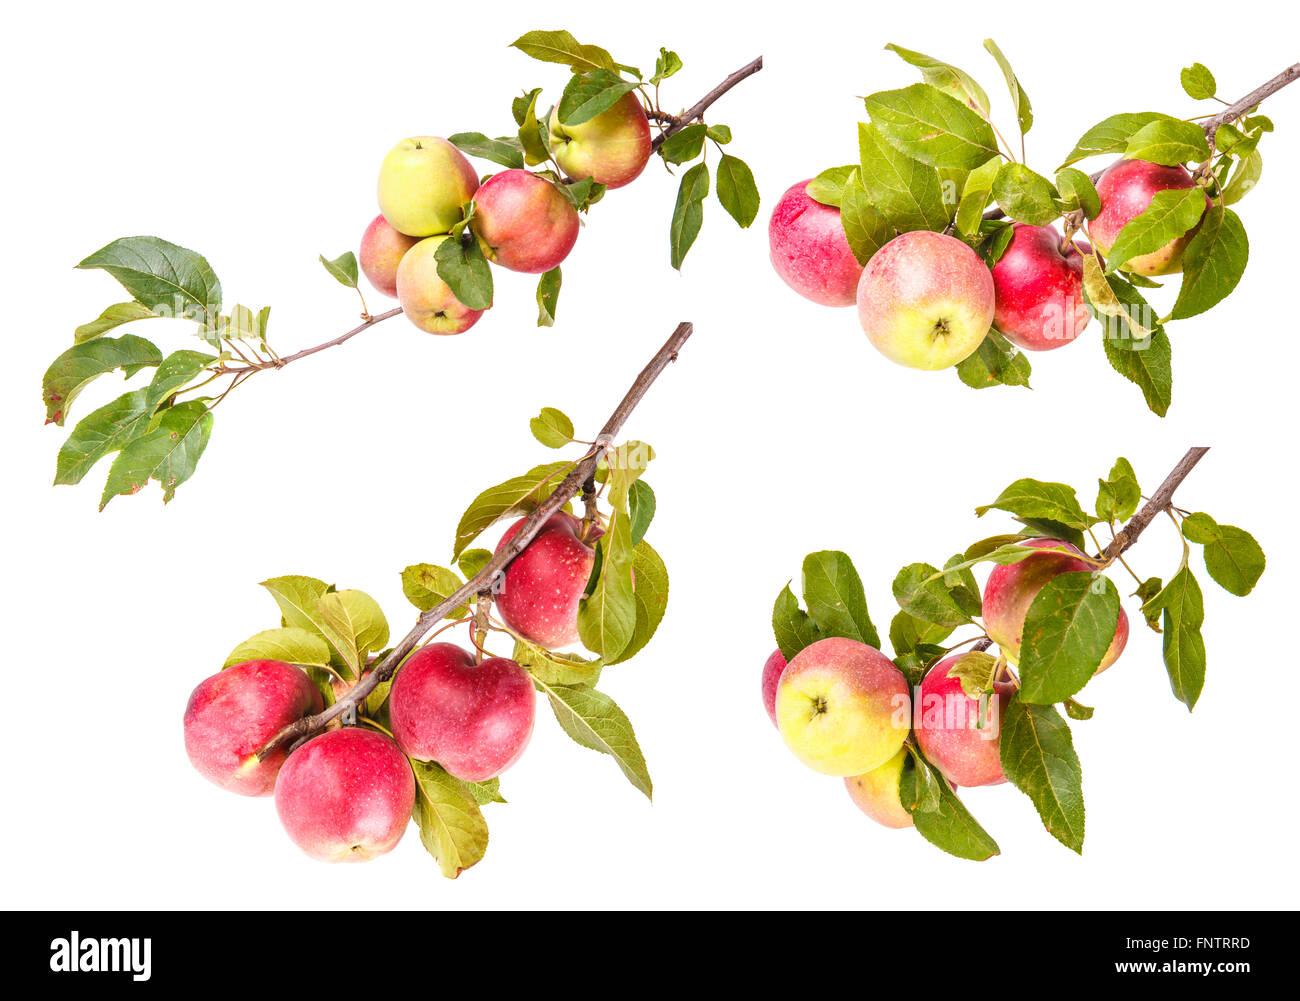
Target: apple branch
[[481, 583], [280, 362], [1160, 501], [696, 111]]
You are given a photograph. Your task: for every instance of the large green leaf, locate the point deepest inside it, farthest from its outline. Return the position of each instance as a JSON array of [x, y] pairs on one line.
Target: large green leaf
[[291, 645], [837, 603], [102, 432], [793, 628], [1019, 99], [1038, 758], [650, 592], [1170, 214], [562, 47], [1183, 609], [1213, 263], [1068, 628], [904, 190], [737, 190], [1168, 141], [1030, 498], [1111, 135], [463, 267], [516, 495], [688, 213], [1026, 196], [940, 817], [588, 94], [168, 453], [932, 126], [452, 828], [593, 720], [167, 279], [81, 364], [920, 590], [865, 228]]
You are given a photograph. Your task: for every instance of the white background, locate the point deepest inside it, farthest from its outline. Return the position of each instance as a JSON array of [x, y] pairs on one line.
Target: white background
[[253, 135]]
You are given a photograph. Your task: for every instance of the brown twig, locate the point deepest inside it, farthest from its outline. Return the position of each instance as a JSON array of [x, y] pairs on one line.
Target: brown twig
[[702, 105], [280, 362], [483, 580], [1160, 501]]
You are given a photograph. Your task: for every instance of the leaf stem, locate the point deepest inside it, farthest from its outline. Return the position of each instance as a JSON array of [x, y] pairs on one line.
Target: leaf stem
[[698, 109]]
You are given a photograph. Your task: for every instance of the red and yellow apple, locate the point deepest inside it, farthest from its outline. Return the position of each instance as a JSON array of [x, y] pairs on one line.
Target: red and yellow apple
[[926, 300], [426, 299], [382, 250], [876, 793], [611, 148], [809, 251], [231, 715], [960, 734], [1126, 189], [542, 588], [843, 707], [524, 222], [1039, 289], [424, 182]]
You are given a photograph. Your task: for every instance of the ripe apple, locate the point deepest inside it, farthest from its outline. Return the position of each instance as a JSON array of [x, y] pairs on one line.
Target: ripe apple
[[346, 796], [1011, 589], [809, 250], [382, 250], [959, 734], [474, 720], [234, 713], [524, 222], [542, 587], [876, 793], [1126, 188], [423, 184], [1039, 289], [612, 148], [926, 300], [771, 677], [426, 299], [843, 707]]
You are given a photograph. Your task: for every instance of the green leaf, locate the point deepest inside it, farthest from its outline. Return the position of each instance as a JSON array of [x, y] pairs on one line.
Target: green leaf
[[354, 625], [864, 227], [1170, 142], [948, 824], [1019, 99], [552, 428], [688, 213], [532, 132], [1244, 180], [548, 296], [1112, 134], [1119, 496], [933, 127], [583, 193], [975, 197], [297, 596], [946, 77], [293, 646], [554, 668], [426, 586], [588, 94], [685, 145], [175, 372], [1078, 193], [720, 134], [920, 590], [168, 453], [562, 47], [1068, 628], [666, 65], [593, 720], [996, 362], [607, 616], [1183, 609], [343, 269], [793, 628], [515, 496], [1171, 214], [508, 151], [1029, 498], [1038, 758], [904, 190], [473, 560], [737, 190], [1213, 263], [452, 828], [81, 364], [1232, 556], [100, 433], [641, 509], [828, 186], [908, 633], [463, 267], [167, 279], [485, 792], [650, 591], [114, 316], [837, 603], [1025, 196], [1198, 82]]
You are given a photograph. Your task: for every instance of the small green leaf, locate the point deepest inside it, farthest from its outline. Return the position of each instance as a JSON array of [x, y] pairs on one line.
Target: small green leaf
[[508, 151], [303, 647], [81, 364], [737, 190], [1118, 496], [666, 65], [1019, 99], [920, 590], [517, 495], [589, 94], [114, 316], [948, 824], [463, 267], [1183, 609], [1170, 214], [473, 560], [1025, 196], [1078, 193], [562, 47], [553, 668], [864, 227], [641, 509], [1168, 141], [1112, 135], [688, 213], [343, 268], [1198, 82], [720, 134], [650, 591], [793, 628], [828, 186], [975, 197], [685, 145], [1244, 179], [836, 601], [552, 428], [548, 296], [1029, 498], [996, 362], [426, 586]]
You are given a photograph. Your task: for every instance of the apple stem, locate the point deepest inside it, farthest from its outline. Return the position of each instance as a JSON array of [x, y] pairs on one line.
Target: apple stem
[[698, 109], [582, 470]]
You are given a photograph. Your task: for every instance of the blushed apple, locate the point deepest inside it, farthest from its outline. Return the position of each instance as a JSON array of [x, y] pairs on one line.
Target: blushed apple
[[843, 707], [542, 587], [346, 796], [472, 719], [1011, 589], [612, 148], [1039, 289], [524, 222], [876, 793], [772, 669], [424, 182], [382, 250], [426, 299], [1126, 188], [809, 250], [232, 714], [926, 300], [959, 734]]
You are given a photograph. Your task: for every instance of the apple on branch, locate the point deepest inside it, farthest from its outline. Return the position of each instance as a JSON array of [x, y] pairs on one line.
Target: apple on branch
[[958, 733], [382, 250], [876, 793], [542, 588], [424, 183], [1039, 289], [1126, 188], [426, 299], [524, 222], [809, 250], [612, 148]]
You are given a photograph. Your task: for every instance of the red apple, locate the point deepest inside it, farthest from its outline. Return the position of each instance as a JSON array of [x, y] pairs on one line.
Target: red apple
[[539, 597], [957, 733], [612, 148], [809, 250], [1039, 289], [771, 678], [926, 300], [232, 714], [876, 793], [346, 796], [1011, 589], [524, 222], [1126, 189], [473, 720], [426, 299], [382, 250]]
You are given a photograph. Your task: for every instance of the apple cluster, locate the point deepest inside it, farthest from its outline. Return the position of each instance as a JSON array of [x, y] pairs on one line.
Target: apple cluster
[[927, 300]]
